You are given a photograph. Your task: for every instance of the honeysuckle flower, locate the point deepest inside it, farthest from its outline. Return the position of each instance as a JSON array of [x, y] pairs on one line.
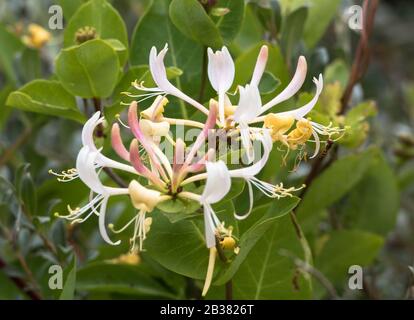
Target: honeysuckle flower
[[164, 86], [100, 159], [86, 168], [220, 71]]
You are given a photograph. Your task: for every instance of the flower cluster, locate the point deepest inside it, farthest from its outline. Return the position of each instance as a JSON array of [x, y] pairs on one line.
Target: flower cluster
[[155, 178]]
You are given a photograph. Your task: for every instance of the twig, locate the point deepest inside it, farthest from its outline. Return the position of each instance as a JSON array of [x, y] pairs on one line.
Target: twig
[[362, 55], [15, 146], [20, 283], [359, 67], [117, 179], [98, 107]]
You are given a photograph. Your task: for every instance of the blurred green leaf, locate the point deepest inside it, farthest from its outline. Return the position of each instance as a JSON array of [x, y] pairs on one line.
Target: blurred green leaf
[[373, 203], [345, 248], [46, 97], [120, 278], [27, 190], [192, 20], [183, 53], [68, 291], [230, 23], [69, 7], [268, 83], [11, 45], [88, 70], [292, 30], [321, 13], [100, 15], [332, 184], [337, 71], [120, 49]]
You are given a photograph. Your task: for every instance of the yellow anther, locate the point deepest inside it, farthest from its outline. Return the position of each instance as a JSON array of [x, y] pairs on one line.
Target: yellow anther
[[228, 243], [278, 124]]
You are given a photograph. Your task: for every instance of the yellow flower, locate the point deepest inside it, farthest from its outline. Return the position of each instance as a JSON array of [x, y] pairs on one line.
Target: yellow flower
[[300, 134], [37, 36], [278, 124]]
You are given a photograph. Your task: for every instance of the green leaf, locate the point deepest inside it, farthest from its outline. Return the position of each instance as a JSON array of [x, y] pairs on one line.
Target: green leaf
[[230, 23], [268, 83], [292, 30], [250, 33], [27, 190], [180, 246], [332, 185], [68, 290], [69, 7], [321, 13], [267, 273], [46, 97], [345, 248], [120, 278], [120, 49], [358, 127], [100, 15], [88, 70], [11, 45], [374, 202], [183, 53], [337, 71], [254, 230], [192, 20]]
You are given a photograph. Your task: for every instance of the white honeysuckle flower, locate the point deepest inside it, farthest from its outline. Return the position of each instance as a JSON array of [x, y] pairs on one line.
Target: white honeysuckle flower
[[292, 88], [248, 109], [164, 86], [218, 184], [260, 66], [86, 168], [221, 72], [100, 160]]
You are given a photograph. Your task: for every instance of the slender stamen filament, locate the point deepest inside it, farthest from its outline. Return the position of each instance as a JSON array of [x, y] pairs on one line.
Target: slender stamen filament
[[65, 176]]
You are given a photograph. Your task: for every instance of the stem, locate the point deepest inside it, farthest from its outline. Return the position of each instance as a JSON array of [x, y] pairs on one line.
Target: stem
[[359, 67], [98, 107], [117, 179], [203, 75], [20, 283]]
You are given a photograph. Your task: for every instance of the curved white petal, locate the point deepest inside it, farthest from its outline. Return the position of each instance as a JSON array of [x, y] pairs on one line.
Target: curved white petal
[[102, 226], [293, 87], [159, 74], [218, 182], [220, 69], [255, 168], [85, 166], [260, 66], [249, 105], [246, 141], [303, 111], [209, 226], [88, 129]]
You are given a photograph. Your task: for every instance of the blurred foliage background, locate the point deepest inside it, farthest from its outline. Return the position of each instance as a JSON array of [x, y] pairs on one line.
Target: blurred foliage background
[[358, 208]]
